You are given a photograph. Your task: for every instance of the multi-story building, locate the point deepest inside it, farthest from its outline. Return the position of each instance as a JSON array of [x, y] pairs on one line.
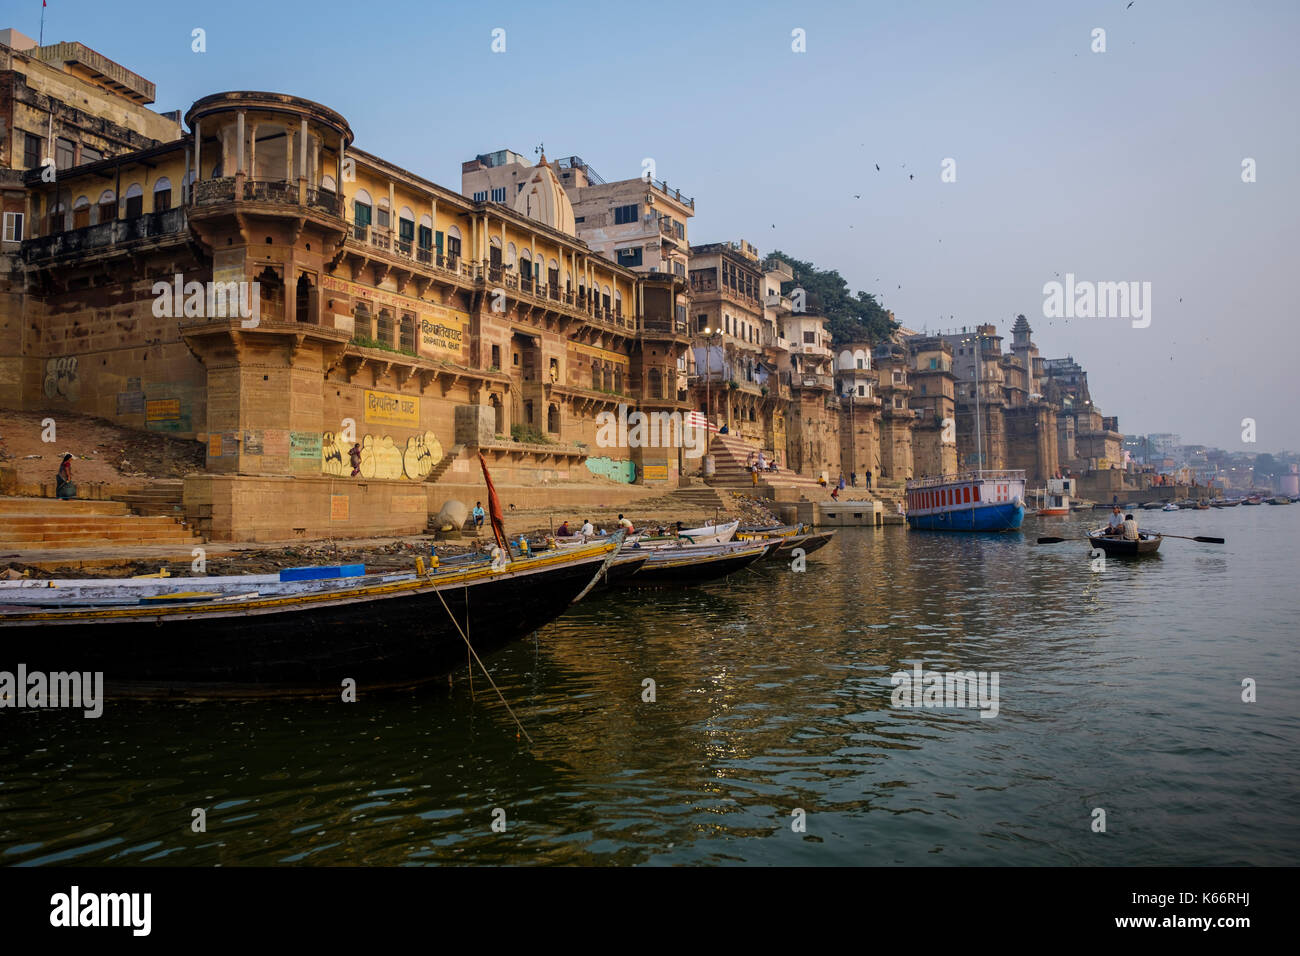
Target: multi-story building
[[934, 434], [859, 409], [731, 373], [64, 105], [897, 419], [375, 309]]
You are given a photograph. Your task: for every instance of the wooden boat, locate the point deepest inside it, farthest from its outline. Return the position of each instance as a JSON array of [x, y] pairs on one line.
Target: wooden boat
[[1253, 500], [808, 542], [1148, 543], [1152, 506], [263, 636], [1279, 500], [693, 565], [752, 533], [1202, 505]]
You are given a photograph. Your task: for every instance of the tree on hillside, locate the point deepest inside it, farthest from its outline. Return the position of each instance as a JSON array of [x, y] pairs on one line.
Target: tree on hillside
[[849, 317]]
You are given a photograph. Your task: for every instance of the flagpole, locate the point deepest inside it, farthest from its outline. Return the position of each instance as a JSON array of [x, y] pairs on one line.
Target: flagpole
[[41, 41]]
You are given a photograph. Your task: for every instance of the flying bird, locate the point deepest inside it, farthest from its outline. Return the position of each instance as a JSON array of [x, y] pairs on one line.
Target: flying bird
[[857, 195], [877, 167], [1130, 3]]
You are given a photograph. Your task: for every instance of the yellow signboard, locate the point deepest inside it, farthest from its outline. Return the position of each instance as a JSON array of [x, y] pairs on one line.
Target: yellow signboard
[[386, 408], [162, 410], [440, 338], [654, 473]]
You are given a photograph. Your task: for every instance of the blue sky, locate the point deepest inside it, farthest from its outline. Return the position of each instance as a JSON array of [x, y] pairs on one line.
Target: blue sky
[[1122, 165]]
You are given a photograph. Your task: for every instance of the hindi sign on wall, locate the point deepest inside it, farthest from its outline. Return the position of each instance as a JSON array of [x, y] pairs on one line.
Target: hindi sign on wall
[[388, 408]]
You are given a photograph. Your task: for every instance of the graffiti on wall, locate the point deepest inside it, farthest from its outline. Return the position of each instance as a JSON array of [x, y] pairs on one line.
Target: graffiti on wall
[[61, 380], [620, 470], [381, 457]]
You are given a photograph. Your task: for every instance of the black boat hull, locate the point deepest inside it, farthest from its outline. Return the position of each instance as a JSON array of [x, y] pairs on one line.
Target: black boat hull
[[387, 636]]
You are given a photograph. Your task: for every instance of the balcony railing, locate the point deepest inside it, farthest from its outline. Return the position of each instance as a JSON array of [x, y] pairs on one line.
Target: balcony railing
[[271, 190], [106, 235], [283, 192]]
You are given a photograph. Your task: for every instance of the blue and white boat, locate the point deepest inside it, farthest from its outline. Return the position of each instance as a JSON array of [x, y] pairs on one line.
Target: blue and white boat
[[975, 501]]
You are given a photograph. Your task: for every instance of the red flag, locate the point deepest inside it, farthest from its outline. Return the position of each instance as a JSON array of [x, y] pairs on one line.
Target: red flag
[[494, 509]]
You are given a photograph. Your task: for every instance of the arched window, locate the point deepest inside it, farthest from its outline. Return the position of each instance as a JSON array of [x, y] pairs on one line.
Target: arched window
[[383, 215], [361, 207], [134, 201], [328, 185], [453, 247], [80, 212], [510, 255], [162, 195], [305, 300], [106, 208], [618, 303], [494, 258], [58, 218], [606, 302], [525, 272], [407, 341], [384, 327], [424, 234], [405, 230], [553, 419]]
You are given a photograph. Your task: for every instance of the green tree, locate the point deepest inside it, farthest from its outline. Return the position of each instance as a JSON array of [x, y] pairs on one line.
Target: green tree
[[850, 317]]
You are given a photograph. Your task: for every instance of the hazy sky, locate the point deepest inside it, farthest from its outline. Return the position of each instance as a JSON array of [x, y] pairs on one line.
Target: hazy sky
[[1117, 166]]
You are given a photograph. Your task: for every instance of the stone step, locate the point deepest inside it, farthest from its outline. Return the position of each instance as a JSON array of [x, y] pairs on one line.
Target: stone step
[[54, 506]]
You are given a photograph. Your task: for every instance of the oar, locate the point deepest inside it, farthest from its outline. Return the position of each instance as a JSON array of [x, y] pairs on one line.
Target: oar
[[1053, 540], [1204, 539]]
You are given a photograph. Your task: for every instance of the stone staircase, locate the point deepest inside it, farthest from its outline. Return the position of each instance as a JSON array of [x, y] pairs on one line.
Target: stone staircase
[[46, 524], [731, 471], [158, 499], [448, 460]]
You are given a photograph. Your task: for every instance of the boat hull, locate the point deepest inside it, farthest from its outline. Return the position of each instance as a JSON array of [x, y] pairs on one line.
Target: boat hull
[[1123, 548], [1005, 516], [397, 634]]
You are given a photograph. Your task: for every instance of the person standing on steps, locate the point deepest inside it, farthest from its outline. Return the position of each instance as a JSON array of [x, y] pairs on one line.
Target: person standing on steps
[[867, 477], [64, 487]]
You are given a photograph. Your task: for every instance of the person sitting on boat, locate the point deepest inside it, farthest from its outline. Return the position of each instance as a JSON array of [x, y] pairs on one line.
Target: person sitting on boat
[[625, 524], [64, 487], [1130, 528], [586, 527], [563, 531], [1116, 525]]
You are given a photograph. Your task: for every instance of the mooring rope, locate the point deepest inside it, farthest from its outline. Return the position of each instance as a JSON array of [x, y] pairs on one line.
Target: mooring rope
[[480, 663]]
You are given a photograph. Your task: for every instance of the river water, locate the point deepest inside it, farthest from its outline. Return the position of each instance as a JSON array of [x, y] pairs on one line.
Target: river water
[[771, 738]]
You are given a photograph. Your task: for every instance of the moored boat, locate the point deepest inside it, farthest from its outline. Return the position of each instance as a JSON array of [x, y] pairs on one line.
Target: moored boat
[[1253, 500], [693, 565], [1054, 500], [1170, 506], [1279, 500], [1148, 542], [976, 501], [258, 635]]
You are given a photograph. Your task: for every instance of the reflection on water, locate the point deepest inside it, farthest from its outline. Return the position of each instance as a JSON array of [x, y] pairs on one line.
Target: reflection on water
[[1119, 690]]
